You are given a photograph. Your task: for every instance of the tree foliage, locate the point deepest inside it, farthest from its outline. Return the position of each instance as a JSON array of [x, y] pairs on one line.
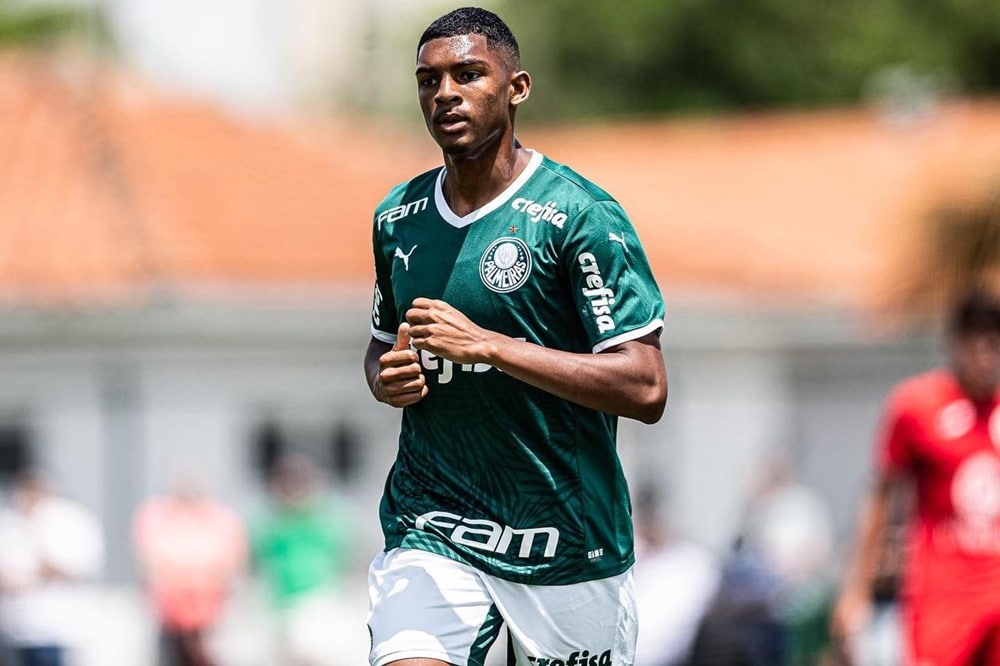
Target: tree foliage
[[27, 25], [648, 56]]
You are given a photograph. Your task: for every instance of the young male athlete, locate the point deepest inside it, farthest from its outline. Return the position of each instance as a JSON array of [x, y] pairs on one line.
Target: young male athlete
[[941, 433], [515, 317]]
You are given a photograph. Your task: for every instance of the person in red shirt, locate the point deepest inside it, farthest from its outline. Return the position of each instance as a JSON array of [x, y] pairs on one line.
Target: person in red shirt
[[940, 441], [190, 550]]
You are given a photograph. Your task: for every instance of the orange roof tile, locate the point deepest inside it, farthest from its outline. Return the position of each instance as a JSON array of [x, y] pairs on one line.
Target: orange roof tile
[[113, 192], [822, 207]]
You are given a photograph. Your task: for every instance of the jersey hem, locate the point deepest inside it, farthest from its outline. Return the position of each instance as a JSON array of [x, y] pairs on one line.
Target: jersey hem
[[547, 579]]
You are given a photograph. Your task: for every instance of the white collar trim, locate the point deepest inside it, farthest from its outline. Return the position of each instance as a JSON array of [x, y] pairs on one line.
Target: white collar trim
[[458, 222]]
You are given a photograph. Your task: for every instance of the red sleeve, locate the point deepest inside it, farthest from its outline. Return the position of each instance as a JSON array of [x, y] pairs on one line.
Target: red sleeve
[[894, 443]]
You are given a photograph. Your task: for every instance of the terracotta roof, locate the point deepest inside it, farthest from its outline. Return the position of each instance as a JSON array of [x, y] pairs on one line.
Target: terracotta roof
[[114, 192], [823, 207]]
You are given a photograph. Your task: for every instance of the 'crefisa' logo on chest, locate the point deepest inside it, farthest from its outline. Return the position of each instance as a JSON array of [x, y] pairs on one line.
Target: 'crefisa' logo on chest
[[505, 265]]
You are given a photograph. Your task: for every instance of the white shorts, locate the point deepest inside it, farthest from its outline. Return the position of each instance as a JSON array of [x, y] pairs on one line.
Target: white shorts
[[423, 605]]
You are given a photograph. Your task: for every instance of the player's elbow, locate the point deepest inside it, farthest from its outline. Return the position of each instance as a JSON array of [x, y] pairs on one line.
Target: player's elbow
[[652, 399]]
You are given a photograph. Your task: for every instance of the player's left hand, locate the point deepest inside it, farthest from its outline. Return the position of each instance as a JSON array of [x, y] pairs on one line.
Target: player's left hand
[[439, 328]]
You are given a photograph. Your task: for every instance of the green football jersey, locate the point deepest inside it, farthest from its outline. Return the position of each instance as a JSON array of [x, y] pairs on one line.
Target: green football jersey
[[494, 472]]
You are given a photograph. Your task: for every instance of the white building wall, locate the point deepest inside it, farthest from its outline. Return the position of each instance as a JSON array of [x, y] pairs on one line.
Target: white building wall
[[54, 395], [837, 403], [730, 408], [119, 403]]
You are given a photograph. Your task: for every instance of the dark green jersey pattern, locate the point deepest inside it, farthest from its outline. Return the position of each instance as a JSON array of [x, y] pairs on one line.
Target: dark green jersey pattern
[[513, 480]]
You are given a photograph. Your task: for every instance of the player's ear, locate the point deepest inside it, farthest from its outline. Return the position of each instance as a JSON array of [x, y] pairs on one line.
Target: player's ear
[[520, 87]]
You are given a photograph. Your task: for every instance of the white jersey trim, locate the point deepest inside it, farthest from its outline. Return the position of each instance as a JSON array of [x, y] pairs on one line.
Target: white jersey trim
[[630, 335], [382, 336], [458, 222]]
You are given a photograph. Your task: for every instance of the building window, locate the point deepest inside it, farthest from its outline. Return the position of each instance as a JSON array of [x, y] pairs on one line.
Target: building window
[[334, 446], [268, 447], [345, 452], [16, 454]]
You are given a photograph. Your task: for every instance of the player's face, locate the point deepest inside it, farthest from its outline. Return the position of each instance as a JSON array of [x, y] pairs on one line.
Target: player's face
[[977, 361], [466, 92]]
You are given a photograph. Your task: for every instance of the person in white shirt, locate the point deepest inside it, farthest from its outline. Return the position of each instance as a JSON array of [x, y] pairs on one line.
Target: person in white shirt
[[51, 545], [675, 580]]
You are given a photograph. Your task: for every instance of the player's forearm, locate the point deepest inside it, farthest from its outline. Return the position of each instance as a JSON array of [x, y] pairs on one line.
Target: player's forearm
[[628, 381], [375, 349], [860, 574]]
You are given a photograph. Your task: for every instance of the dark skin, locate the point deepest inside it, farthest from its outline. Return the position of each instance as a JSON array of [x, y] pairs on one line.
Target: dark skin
[[975, 363], [469, 95]]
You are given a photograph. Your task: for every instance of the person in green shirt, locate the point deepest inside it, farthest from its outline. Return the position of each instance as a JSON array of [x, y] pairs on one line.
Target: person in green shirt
[[300, 549], [515, 318]]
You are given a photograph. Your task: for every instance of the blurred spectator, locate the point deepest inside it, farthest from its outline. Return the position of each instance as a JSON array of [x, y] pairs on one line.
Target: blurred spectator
[[190, 550], [744, 624], [789, 526], [51, 547], [675, 581], [939, 445], [775, 595], [301, 549]]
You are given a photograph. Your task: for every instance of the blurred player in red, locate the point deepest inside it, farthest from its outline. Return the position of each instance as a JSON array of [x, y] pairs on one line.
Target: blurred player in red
[[940, 438]]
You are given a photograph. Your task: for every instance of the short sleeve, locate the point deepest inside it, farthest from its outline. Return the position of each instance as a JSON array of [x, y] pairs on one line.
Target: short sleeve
[[384, 323], [610, 278]]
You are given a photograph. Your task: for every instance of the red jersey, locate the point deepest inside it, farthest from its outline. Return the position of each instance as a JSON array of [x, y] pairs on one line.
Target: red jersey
[[950, 446]]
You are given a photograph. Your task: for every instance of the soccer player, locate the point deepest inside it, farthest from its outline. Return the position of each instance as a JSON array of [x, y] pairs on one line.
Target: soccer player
[[515, 318], [941, 436]]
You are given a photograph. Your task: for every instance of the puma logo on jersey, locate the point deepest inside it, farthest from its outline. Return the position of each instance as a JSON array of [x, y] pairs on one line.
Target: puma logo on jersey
[[405, 257], [612, 236]]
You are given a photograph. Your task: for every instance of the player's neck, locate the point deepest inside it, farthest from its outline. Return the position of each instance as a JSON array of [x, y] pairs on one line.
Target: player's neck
[[979, 393], [472, 182]]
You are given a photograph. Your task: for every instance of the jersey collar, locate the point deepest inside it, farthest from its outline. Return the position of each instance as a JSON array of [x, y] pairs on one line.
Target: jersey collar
[[458, 222]]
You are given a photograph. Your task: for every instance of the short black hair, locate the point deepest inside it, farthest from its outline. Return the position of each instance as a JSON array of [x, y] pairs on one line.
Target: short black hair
[[475, 21], [977, 311]]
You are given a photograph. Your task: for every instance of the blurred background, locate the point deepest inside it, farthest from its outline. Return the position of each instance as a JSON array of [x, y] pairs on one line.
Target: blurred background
[[186, 191]]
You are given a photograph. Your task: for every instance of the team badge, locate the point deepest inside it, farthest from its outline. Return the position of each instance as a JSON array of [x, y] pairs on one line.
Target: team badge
[[505, 265]]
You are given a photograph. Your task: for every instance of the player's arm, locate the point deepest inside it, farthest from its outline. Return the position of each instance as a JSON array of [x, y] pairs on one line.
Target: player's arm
[[853, 605], [393, 371], [628, 379]]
